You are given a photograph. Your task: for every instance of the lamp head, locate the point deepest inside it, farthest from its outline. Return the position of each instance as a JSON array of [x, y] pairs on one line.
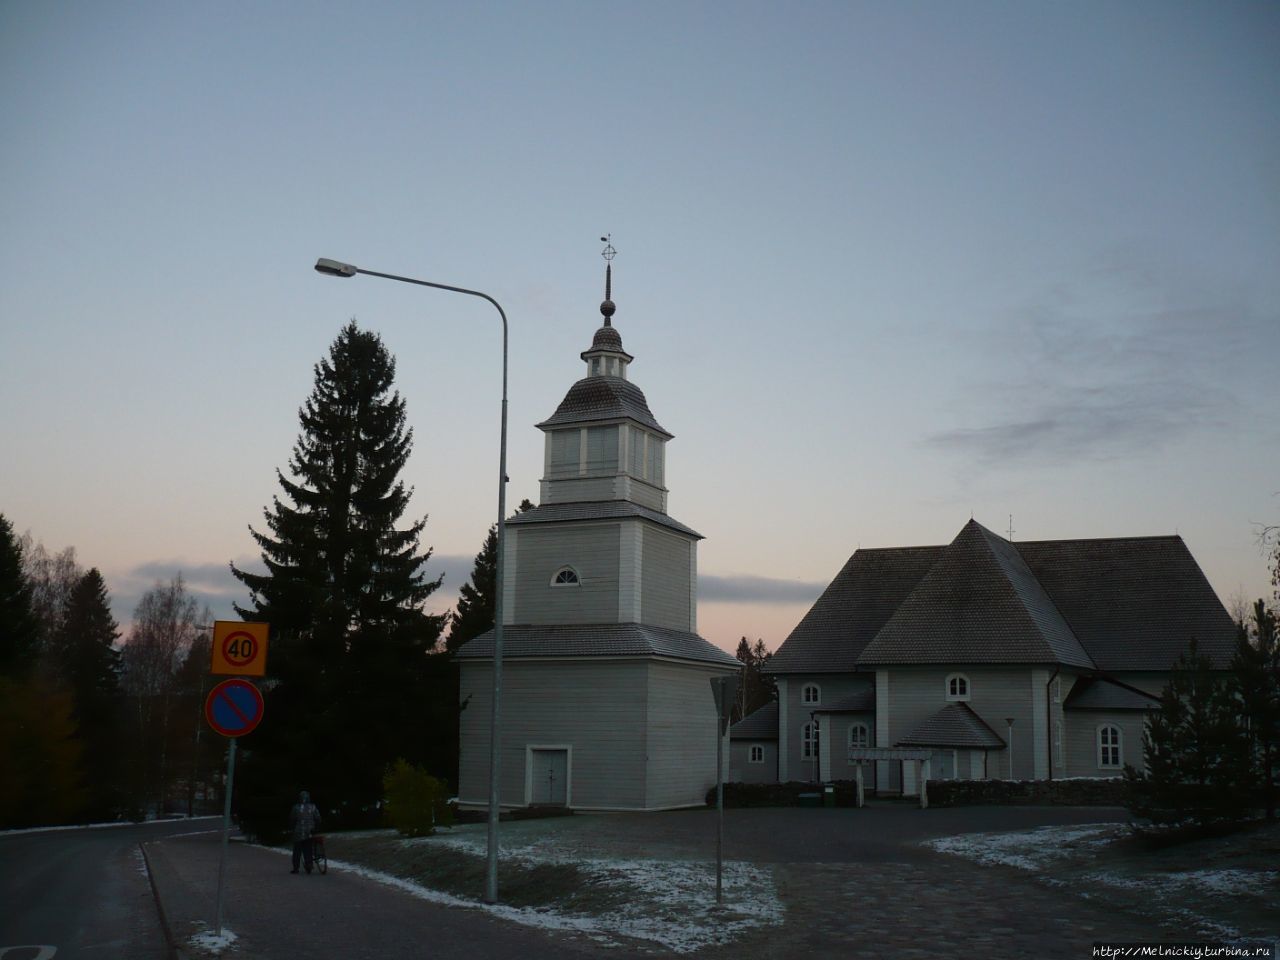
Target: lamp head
[[335, 268]]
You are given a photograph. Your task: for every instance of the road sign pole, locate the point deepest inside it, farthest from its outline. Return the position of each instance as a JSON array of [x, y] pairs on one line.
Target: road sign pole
[[226, 828]]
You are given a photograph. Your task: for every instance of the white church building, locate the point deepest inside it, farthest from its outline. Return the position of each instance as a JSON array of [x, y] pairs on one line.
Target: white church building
[[606, 699]]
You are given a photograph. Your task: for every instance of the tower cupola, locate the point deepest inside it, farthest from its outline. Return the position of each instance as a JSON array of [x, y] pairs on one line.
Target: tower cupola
[[605, 357]]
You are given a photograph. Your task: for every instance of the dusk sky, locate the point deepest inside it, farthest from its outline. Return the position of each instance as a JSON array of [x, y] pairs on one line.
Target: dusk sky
[[883, 267]]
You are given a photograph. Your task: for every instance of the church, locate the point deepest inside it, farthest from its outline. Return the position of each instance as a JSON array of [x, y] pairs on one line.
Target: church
[[606, 694], [982, 659]]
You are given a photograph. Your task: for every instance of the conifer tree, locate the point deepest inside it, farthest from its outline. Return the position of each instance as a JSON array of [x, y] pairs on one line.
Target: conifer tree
[[1255, 674], [19, 630], [477, 598], [90, 666], [343, 591]]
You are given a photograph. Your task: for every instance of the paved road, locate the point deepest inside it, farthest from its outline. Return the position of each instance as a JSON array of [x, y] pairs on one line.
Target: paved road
[[83, 893]]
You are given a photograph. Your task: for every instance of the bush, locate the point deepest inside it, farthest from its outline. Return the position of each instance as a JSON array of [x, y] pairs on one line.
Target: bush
[[416, 802]]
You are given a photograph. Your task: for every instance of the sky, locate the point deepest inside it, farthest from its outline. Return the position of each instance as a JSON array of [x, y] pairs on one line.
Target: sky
[[883, 267]]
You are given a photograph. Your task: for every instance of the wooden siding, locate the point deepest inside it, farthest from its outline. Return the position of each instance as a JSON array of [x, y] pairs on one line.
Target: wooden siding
[[596, 708], [592, 550], [793, 714], [630, 571], [682, 725], [742, 770], [509, 567], [916, 693], [638, 491], [577, 489], [667, 573], [1081, 741]]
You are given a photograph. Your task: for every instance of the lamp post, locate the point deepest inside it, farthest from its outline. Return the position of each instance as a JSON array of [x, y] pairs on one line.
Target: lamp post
[[335, 268]]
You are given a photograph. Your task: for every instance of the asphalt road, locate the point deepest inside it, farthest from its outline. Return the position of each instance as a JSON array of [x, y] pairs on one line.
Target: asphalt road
[[81, 894]]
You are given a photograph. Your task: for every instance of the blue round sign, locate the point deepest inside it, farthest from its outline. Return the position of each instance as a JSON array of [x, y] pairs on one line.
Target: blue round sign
[[234, 707]]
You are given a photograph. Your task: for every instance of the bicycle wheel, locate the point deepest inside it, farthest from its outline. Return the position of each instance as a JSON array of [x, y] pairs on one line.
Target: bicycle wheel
[[321, 860]]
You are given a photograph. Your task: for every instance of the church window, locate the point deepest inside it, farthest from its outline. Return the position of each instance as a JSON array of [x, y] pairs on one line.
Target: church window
[[1110, 752], [565, 577], [859, 736], [637, 452], [811, 693], [595, 366], [809, 741], [757, 753], [957, 687], [602, 449], [653, 468]]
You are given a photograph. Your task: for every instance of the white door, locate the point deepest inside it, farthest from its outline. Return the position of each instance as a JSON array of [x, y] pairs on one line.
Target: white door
[[550, 777], [943, 765]]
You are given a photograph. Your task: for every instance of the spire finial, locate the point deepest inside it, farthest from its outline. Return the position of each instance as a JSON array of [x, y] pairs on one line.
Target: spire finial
[[607, 307]]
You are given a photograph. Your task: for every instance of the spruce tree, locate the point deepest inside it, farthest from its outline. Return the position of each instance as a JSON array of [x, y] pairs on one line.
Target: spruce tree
[[477, 598], [19, 629], [343, 592], [90, 665], [1255, 672]]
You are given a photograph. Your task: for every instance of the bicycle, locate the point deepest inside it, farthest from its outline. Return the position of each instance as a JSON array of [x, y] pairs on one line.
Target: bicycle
[[318, 857]]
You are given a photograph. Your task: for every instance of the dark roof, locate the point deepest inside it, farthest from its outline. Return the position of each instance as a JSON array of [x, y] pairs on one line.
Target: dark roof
[[1100, 694], [955, 725], [1111, 605], [761, 725], [864, 701], [979, 603], [853, 608], [522, 641], [1134, 603], [607, 339], [603, 398], [598, 510]]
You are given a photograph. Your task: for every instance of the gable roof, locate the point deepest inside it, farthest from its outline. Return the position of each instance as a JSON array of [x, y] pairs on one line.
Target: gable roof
[[979, 603], [955, 725], [1123, 604], [523, 641], [853, 608], [760, 725], [1097, 693]]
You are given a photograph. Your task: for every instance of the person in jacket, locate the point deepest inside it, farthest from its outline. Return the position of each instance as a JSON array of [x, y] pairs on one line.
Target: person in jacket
[[304, 820]]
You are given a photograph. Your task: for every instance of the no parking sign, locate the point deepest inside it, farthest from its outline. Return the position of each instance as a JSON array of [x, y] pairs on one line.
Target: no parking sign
[[233, 708]]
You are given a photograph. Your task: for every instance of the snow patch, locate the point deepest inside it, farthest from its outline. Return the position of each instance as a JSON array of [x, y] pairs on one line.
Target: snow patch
[[103, 826], [1028, 850], [210, 942], [140, 861]]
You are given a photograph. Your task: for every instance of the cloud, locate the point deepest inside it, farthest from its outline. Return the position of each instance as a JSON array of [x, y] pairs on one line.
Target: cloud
[[751, 589], [1104, 367]]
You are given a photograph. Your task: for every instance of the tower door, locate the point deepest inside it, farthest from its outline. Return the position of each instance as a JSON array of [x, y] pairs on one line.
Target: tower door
[[550, 769]]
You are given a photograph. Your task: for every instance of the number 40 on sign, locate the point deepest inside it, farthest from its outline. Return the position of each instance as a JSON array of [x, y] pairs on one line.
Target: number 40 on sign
[[239, 649]]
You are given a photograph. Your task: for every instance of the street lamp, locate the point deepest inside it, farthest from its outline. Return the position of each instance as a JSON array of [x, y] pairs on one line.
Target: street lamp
[[335, 268]]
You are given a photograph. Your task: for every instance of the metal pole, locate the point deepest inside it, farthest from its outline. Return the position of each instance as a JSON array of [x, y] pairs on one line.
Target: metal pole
[[226, 827], [495, 745], [719, 810]]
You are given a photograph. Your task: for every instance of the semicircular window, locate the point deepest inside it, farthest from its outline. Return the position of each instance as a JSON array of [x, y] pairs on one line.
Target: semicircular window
[[565, 577]]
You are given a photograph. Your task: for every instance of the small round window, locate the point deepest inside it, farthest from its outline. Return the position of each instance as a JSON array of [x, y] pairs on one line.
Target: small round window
[[565, 577]]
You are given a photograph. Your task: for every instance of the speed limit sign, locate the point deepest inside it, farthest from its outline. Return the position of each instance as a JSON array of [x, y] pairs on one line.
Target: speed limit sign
[[239, 649]]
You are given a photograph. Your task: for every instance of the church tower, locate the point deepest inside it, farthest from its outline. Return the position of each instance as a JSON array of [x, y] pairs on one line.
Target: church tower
[[606, 703]]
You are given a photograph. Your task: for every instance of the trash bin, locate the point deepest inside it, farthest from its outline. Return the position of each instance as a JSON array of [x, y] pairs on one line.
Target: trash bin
[[829, 795]]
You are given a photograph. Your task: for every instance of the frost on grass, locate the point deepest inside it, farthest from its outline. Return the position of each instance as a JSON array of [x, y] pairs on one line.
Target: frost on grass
[[1027, 849], [667, 903]]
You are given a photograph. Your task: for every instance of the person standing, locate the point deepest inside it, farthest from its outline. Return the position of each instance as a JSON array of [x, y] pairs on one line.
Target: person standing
[[304, 819]]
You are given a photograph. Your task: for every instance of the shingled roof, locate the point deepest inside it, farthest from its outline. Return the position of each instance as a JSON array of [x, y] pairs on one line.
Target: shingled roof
[[955, 725], [853, 608], [1111, 605], [598, 510], [593, 399], [523, 641], [760, 725], [1099, 694], [978, 604]]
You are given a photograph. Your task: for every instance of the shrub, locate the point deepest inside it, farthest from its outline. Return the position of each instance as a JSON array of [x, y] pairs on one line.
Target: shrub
[[416, 802]]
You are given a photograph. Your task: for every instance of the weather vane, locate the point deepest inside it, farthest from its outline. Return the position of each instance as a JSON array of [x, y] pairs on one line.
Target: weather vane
[[608, 253]]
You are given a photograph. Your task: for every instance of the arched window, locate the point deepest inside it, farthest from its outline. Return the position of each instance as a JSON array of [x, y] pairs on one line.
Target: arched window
[[809, 741], [565, 577], [1110, 747], [859, 736], [957, 687], [757, 753], [811, 694]]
